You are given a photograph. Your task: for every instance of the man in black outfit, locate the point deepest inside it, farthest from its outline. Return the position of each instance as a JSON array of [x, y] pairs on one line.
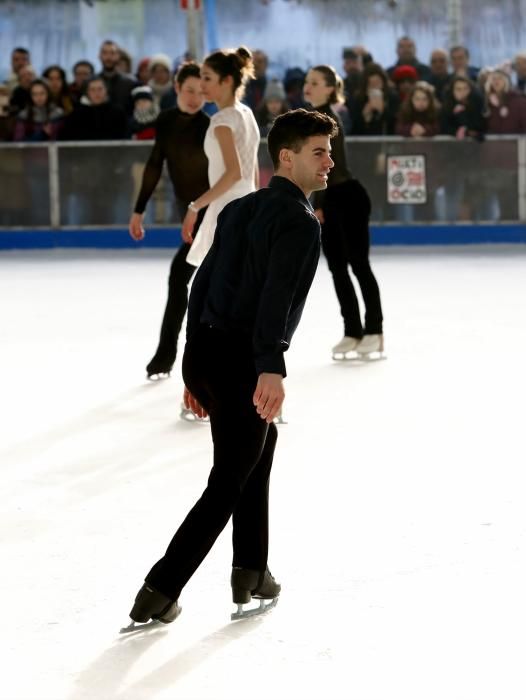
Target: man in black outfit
[[179, 140], [245, 304]]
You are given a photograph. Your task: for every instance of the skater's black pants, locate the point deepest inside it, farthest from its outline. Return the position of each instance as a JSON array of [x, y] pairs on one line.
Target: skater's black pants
[[176, 304], [345, 241], [218, 369]]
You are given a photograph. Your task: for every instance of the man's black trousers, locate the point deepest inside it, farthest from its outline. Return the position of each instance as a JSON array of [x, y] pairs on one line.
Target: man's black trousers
[[218, 369]]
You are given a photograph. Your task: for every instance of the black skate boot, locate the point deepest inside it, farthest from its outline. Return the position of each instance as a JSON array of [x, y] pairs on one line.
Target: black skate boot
[[247, 584], [158, 368], [151, 604]]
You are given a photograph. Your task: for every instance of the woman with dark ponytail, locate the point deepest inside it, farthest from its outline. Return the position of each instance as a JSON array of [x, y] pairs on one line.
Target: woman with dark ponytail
[[343, 211], [231, 145]]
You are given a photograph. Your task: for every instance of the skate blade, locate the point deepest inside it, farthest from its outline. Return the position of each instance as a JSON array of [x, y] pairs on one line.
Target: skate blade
[[157, 376], [263, 607], [345, 356], [372, 356], [139, 626], [279, 420], [188, 415]]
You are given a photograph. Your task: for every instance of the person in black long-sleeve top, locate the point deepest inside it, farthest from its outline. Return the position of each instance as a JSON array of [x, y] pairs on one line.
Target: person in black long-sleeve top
[[245, 304], [180, 135], [344, 210]]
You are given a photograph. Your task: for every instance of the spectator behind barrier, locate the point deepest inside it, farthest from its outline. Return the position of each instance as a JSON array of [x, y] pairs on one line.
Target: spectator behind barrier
[[41, 119], [56, 79], [462, 113], [376, 105], [82, 72], [419, 115], [505, 107], [7, 121], [118, 85], [274, 103], [293, 83], [440, 77], [145, 113], [255, 88], [404, 79], [20, 57], [161, 77], [124, 64], [519, 66], [96, 118], [406, 51], [142, 74], [459, 56], [20, 96]]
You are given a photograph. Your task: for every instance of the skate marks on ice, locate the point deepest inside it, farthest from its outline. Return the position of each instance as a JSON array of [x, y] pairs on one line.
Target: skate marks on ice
[[106, 676]]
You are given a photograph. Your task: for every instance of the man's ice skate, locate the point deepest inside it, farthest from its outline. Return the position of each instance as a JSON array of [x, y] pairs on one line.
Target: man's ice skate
[[371, 347], [156, 369], [151, 607], [346, 346], [189, 415], [247, 584], [279, 420]]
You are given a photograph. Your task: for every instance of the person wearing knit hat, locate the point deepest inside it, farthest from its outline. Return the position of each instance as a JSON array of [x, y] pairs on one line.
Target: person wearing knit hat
[[274, 104], [145, 113], [143, 71], [404, 77], [160, 76]]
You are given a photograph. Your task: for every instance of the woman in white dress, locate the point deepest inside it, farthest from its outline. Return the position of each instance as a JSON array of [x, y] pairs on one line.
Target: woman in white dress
[[231, 145]]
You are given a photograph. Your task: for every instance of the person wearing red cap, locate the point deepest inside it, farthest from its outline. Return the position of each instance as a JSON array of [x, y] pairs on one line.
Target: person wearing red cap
[[404, 79]]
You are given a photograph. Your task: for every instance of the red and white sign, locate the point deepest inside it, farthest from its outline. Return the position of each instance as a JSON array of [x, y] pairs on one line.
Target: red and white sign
[[193, 4], [406, 180]]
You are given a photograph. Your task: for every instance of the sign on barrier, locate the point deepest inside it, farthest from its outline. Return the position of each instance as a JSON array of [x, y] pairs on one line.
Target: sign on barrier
[[406, 180]]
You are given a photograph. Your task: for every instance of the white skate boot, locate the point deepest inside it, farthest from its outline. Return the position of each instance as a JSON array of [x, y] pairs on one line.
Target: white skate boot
[[346, 345], [371, 347], [189, 415]]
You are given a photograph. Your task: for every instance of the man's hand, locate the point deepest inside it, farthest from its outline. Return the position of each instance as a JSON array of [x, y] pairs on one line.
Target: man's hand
[[193, 404], [269, 395], [135, 227], [187, 230]]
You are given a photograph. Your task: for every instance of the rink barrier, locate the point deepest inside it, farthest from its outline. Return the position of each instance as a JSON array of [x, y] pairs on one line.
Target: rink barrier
[[157, 237]]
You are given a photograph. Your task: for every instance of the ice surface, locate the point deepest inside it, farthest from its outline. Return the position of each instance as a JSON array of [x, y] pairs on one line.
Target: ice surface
[[397, 512]]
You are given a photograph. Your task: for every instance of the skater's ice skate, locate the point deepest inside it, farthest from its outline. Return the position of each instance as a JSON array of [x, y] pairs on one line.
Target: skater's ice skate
[[347, 345], [279, 420], [247, 584], [371, 347], [189, 415], [157, 369], [150, 608]]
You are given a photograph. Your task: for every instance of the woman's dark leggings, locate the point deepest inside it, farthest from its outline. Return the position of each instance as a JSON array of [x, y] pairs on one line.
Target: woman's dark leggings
[[345, 241]]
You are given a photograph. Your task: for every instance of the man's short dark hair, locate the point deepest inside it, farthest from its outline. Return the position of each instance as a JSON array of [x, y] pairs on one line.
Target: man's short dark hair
[[20, 49], [190, 69], [292, 129], [459, 48]]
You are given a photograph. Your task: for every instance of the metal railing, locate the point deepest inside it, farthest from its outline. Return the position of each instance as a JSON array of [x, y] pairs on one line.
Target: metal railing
[[91, 184]]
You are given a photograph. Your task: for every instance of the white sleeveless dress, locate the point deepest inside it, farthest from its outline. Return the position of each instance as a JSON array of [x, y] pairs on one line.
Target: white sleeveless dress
[[240, 119]]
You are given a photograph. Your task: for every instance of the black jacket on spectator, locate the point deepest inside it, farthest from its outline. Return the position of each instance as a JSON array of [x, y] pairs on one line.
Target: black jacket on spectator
[[19, 99], [455, 115], [119, 88], [381, 124], [96, 123], [441, 84]]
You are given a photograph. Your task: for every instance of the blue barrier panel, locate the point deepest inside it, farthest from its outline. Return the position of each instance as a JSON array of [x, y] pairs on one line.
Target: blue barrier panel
[[171, 237]]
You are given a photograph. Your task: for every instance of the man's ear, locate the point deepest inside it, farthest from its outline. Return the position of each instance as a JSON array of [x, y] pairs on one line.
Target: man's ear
[[285, 157]]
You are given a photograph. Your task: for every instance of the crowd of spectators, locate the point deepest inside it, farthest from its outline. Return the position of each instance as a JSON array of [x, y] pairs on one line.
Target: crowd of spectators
[[447, 96]]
